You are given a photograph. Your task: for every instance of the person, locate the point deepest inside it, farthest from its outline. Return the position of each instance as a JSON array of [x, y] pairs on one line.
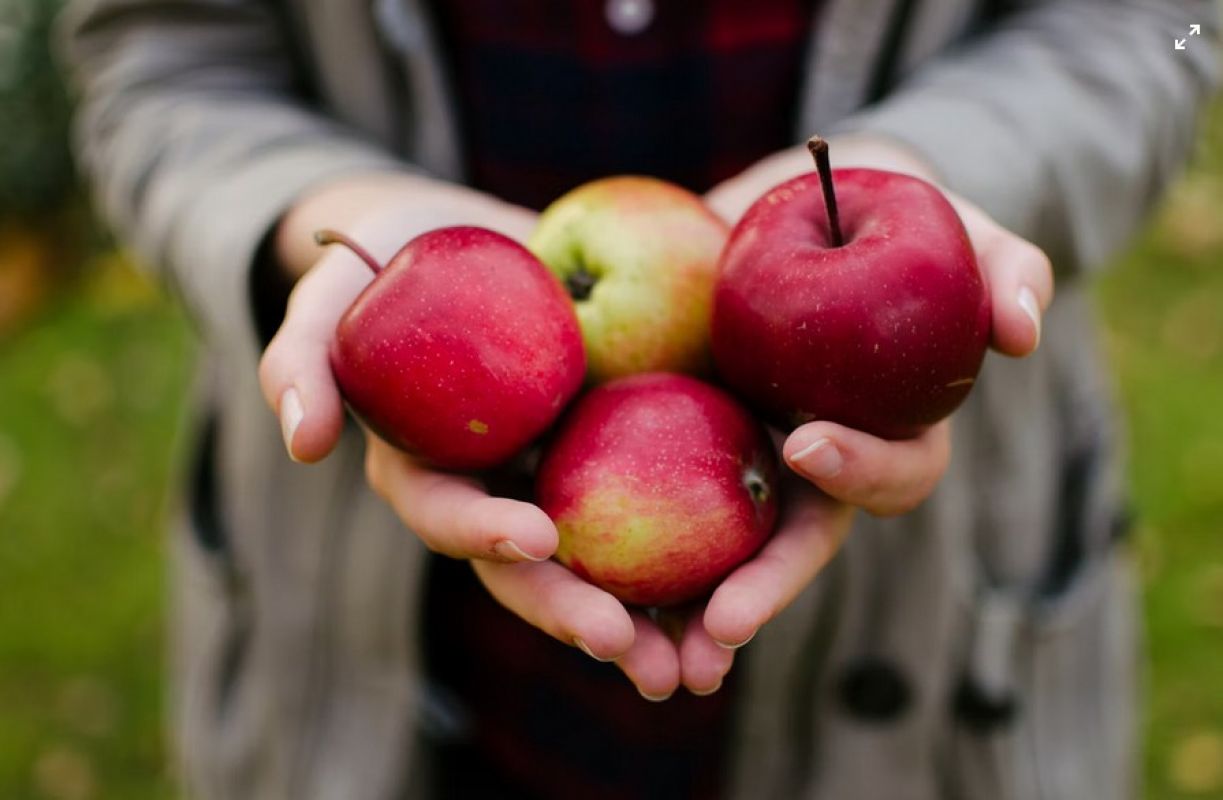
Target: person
[[973, 637]]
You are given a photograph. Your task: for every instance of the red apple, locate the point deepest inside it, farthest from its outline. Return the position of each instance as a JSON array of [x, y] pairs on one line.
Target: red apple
[[461, 351], [659, 485], [882, 329]]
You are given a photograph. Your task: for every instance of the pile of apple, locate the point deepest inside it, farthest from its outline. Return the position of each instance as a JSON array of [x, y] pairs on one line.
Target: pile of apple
[[846, 295]]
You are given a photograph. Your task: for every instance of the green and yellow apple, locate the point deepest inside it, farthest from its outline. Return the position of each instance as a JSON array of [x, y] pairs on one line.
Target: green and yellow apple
[[639, 258]]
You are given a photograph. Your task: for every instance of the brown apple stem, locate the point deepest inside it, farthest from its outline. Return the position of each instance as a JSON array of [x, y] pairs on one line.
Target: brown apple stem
[[327, 236], [819, 151]]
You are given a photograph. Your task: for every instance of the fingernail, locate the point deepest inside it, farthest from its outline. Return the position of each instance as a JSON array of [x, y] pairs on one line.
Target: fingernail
[[585, 648], [655, 698], [736, 646], [707, 692], [512, 552], [1027, 301], [820, 459], [291, 414]]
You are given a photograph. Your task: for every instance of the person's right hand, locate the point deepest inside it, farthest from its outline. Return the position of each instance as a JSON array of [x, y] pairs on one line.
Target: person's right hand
[[381, 213], [452, 514]]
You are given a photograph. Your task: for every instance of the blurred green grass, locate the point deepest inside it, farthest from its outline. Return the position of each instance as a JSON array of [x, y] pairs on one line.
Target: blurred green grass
[[91, 404], [92, 401], [1162, 304]]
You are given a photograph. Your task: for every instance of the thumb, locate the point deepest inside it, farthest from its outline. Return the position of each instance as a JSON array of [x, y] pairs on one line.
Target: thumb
[[295, 371]]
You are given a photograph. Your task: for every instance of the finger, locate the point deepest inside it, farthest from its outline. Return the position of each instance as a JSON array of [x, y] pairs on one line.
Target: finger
[[671, 620], [295, 371], [758, 590], [515, 222], [1020, 282], [884, 477], [652, 663], [567, 608], [453, 515], [1019, 278], [731, 198], [703, 662]]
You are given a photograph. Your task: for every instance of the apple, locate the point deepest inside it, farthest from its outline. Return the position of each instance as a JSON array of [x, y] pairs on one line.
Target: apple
[[851, 295], [659, 486], [461, 351], [639, 257]]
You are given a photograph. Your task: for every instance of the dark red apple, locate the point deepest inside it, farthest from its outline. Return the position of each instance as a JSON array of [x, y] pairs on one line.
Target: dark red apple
[[659, 485], [878, 321], [461, 351]]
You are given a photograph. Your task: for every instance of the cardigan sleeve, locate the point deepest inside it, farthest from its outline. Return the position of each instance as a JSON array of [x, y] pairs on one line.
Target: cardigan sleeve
[[1063, 120], [193, 131]]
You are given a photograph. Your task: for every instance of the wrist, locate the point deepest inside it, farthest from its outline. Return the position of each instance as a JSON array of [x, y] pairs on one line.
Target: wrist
[[879, 152], [339, 204]]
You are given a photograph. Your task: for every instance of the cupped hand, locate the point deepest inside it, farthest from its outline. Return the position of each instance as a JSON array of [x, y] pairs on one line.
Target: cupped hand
[[452, 514], [835, 469], [692, 646], [892, 477], [381, 213]]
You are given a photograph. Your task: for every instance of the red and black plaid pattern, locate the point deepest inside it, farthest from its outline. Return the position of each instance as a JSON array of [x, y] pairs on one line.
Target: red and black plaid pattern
[[533, 718], [551, 96]]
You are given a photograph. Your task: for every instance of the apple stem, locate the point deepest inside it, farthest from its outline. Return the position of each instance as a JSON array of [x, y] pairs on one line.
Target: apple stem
[[580, 283], [327, 236], [819, 151]]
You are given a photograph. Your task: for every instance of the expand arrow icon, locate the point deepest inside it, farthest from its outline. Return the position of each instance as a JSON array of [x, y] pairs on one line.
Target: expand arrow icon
[[1195, 30], [1179, 44]]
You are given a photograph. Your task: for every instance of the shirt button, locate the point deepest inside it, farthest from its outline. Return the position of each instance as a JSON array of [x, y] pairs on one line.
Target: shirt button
[[629, 17], [874, 691], [983, 712]]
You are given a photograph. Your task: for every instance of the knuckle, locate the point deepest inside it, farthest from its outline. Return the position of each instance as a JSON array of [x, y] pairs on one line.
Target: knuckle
[[1034, 264], [874, 491], [374, 469], [900, 499], [896, 507], [886, 498], [298, 295], [1041, 258], [269, 364]]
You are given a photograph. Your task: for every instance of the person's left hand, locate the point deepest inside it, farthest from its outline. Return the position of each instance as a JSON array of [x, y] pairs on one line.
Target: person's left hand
[[852, 466], [693, 645], [843, 468]]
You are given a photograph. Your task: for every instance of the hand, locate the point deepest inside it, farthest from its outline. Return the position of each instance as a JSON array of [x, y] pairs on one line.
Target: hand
[[885, 477], [509, 542], [845, 468], [452, 514], [694, 646], [381, 212]]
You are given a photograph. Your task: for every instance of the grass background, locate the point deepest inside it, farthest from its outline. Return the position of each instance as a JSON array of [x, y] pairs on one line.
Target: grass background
[[92, 394]]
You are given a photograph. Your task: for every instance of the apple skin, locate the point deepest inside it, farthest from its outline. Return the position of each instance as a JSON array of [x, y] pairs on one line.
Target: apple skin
[[651, 249], [461, 351], [659, 486], [885, 334]]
